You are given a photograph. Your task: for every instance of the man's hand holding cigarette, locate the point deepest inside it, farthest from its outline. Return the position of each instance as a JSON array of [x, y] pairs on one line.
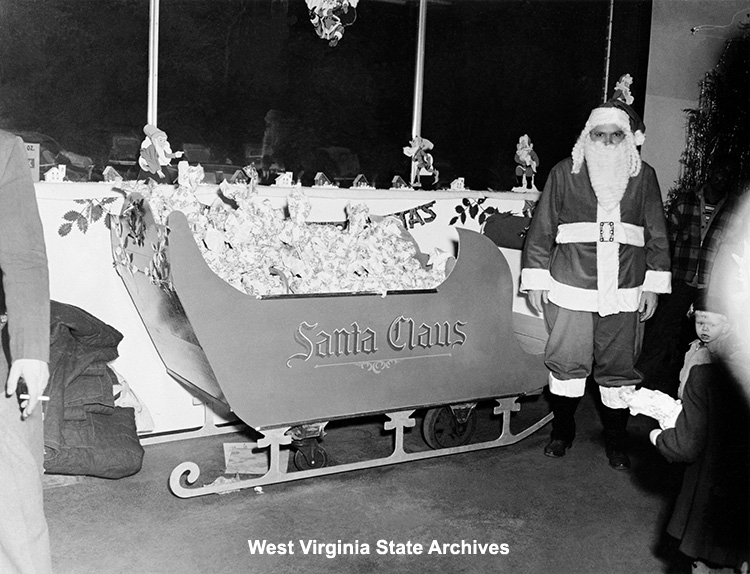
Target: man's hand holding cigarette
[[35, 374]]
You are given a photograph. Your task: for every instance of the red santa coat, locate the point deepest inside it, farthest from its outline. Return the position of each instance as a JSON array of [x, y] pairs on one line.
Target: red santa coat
[[149, 160], [592, 260]]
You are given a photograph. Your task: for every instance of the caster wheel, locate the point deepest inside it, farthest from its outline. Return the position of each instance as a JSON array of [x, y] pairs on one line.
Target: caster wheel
[[442, 430], [309, 458]]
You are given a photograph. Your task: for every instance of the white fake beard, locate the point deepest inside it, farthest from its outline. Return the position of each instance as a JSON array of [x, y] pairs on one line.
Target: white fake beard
[[609, 171], [162, 152]]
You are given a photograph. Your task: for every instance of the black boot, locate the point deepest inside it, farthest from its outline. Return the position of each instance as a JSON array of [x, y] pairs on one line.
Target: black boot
[[563, 425], [616, 437]]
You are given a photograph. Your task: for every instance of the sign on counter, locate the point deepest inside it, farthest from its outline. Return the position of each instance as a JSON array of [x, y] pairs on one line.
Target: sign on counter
[[32, 153]]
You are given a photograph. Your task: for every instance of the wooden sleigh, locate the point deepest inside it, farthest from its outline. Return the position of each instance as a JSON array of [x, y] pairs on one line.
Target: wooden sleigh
[[287, 365]]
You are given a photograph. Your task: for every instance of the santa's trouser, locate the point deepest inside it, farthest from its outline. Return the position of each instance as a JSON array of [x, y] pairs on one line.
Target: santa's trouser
[[580, 344]]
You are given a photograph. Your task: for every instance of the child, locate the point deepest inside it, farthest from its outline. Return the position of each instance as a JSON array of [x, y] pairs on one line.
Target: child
[[712, 328], [710, 434]]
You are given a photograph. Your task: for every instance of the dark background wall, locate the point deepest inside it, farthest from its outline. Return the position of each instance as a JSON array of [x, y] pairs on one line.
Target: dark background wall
[[494, 70]]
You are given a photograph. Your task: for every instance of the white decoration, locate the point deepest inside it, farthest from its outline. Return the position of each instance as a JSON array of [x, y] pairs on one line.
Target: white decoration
[[55, 174]]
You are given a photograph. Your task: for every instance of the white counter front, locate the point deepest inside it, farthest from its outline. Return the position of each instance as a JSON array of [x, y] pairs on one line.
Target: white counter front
[[82, 271]]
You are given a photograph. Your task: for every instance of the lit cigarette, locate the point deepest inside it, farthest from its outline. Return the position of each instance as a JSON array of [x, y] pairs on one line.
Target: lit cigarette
[[41, 398]]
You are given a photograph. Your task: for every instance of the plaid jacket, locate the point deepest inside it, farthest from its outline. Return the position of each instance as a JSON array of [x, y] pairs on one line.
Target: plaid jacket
[[692, 258]]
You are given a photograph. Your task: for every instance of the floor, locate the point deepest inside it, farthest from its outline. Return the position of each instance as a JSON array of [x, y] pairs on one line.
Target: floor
[[569, 515]]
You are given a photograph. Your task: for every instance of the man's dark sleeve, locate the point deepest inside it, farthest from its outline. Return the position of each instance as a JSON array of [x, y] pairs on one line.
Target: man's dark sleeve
[[658, 256], [686, 441]]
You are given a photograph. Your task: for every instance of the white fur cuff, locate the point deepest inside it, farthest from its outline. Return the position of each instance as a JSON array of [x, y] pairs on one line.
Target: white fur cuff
[[610, 115], [535, 279], [658, 281], [569, 388]]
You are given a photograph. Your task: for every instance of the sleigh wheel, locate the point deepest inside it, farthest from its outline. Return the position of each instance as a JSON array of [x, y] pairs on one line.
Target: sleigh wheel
[[446, 427], [310, 456]]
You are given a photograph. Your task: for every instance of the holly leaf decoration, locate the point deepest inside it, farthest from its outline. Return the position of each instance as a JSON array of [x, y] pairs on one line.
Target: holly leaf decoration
[[83, 224], [93, 211], [473, 209], [96, 212]]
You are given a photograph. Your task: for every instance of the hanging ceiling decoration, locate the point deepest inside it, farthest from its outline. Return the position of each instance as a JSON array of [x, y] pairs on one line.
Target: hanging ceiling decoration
[[740, 25], [329, 17]]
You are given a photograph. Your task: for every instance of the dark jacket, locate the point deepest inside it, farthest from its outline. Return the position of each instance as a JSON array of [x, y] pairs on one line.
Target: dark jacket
[[711, 434], [84, 432]]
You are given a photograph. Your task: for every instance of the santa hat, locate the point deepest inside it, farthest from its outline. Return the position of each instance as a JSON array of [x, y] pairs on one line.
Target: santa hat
[[523, 141], [417, 143], [635, 123], [153, 132], [617, 111]]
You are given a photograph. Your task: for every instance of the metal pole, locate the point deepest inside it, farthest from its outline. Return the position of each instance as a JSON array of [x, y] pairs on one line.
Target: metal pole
[[609, 49], [153, 61], [416, 124]]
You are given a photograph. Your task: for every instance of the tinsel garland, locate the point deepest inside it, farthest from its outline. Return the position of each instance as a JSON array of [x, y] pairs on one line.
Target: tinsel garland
[[329, 17], [719, 126], [260, 250]]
